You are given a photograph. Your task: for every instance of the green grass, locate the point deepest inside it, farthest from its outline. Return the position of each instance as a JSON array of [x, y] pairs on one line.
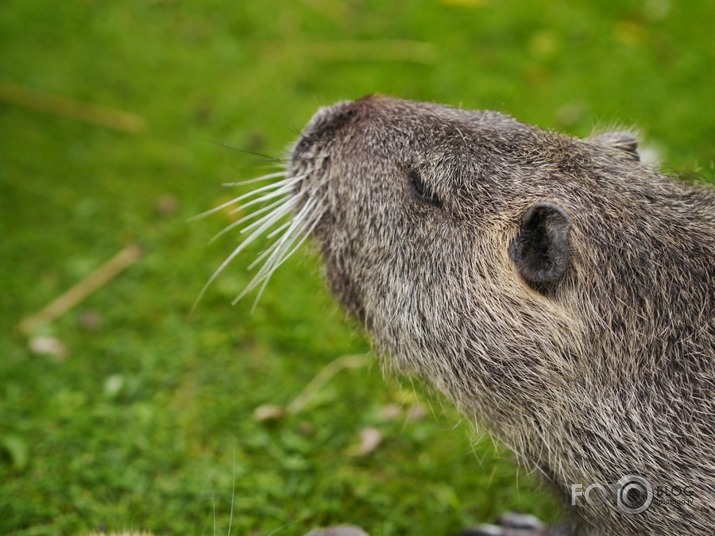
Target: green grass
[[148, 422]]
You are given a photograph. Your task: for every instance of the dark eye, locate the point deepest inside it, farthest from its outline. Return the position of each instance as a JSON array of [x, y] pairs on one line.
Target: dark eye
[[421, 191]]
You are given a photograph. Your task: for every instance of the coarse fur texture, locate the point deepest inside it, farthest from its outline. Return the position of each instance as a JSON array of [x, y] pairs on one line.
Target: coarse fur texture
[[555, 289]]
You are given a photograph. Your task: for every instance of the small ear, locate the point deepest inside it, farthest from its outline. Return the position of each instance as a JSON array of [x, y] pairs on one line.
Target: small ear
[[541, 249], [624, 141]]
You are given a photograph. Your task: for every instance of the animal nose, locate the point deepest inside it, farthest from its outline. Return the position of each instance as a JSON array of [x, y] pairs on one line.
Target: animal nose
[[330, 121]]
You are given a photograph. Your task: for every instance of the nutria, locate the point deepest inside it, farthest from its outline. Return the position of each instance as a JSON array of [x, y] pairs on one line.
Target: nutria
[[556, 289]]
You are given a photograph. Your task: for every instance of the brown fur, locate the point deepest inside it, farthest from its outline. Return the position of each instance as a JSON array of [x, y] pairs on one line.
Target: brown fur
[[608, 369]]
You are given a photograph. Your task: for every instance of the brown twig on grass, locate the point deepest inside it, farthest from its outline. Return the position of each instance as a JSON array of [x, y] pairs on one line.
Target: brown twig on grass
[[100, 277], [317, 383], [72, 109]]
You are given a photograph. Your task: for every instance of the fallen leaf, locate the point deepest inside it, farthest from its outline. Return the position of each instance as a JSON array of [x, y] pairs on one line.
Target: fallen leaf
[[47, 345], [416, 412], [370, 439], [269, 412], [390, 412]]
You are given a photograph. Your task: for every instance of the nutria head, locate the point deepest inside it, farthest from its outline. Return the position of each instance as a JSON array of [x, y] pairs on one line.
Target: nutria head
[[555, 288]]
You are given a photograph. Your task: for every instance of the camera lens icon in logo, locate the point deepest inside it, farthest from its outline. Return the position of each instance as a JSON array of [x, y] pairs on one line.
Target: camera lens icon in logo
[[634, 494]]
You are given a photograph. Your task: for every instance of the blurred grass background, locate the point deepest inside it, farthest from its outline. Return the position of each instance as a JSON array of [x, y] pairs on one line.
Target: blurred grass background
[[144, 416]]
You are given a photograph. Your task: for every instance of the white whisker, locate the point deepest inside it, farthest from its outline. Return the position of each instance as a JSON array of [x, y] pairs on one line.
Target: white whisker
[[289, 235], [278, 250], [298, 225], [271, 248], [214, 210], [281, 186], [294, 228], [268, 251], [233, 255], [303, 237], [274, 232], [260, 211], [302, 234], [244, 219], [281, 191], [275, 215], [257, 179]]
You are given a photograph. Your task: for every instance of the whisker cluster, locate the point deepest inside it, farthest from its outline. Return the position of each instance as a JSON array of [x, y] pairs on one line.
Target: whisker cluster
[[290, 234]]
